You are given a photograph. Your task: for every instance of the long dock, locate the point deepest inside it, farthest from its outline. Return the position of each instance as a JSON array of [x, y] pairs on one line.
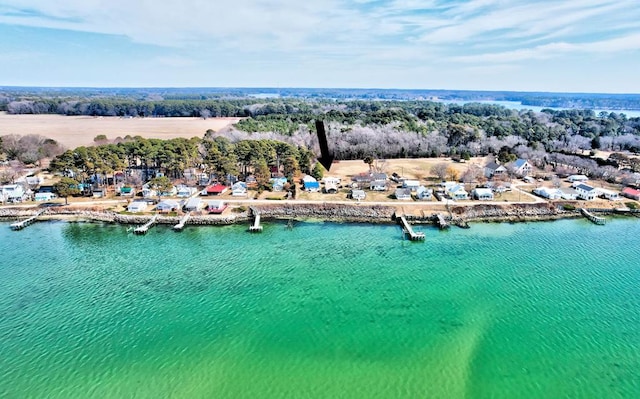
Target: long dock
[[24, 223], [256, 227], [143, 229], [183, 221], [593, 218], [408, 230]]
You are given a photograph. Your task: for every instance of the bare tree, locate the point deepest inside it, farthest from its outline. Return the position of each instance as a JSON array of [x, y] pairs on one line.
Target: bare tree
[[440, 170]]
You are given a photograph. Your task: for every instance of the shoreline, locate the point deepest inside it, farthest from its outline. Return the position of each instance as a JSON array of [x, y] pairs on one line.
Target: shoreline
[[339, 213]]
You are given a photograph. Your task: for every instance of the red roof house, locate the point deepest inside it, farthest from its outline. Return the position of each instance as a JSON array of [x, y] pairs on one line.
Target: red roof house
[[631, 193], [216, 189]]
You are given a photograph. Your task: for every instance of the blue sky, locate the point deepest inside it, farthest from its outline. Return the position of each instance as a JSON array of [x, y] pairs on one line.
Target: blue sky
[[522, 45]]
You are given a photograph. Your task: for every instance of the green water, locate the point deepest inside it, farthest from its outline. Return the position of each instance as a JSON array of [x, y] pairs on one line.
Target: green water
[[538, 310]]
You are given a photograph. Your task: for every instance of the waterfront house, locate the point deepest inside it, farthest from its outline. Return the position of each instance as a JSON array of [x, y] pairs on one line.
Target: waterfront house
[[193, 204], [521, 167], [608, 194], [46, 196], [358, 195], [308, 179], [216, 189], [137, 206], [424, 194], [482, 194], [458, 192], [568, 193], [13, 193], [631, 193], [311, 186], [330, 188], [239, 189], [586, 192], [493, 168], [548, 193], [403, 194], [168, 205], [216, 207]]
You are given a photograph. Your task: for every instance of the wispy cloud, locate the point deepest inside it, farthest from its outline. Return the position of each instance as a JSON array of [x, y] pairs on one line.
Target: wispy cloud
[[414, 35]]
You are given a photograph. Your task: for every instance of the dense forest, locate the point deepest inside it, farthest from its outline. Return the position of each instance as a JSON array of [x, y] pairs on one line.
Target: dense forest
[[356, 128]]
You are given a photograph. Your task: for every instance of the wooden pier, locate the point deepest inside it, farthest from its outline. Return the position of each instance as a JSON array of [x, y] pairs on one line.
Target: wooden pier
[[143, 229], [24, 223], [593, 218], [408, 230], [441, 221], [255, 227], [183, 222]]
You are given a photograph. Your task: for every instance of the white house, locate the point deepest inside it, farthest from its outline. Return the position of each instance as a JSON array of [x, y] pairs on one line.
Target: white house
[[137, 206], [577, 178], [548, 193], [13, 193], [239, 189], [494, 169], [378, 185], [193, 204], [411, 184], [330, 187], [44, 196], [568, 193], [403, 194], [332, 180], [168, 205], [609, 194], [148, 192], [586, 192], [358, 194], [482, 194], [424, 194], [458, 192], [521, 167], [183, 191]]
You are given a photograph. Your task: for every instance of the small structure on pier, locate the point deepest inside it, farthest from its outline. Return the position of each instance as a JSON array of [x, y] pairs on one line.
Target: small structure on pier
[[593, 218], [255, 227], [143, 229], [183, 222], [24, 223], [408, 230]]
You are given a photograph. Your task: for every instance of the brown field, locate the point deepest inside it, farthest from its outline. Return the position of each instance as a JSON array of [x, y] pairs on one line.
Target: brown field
[[75, 131]]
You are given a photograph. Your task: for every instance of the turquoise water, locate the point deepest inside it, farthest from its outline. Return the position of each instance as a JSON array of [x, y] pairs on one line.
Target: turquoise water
[[536, 310]]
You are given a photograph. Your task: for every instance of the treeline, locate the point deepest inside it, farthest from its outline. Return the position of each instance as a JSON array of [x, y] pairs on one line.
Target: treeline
[[218, 156]]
